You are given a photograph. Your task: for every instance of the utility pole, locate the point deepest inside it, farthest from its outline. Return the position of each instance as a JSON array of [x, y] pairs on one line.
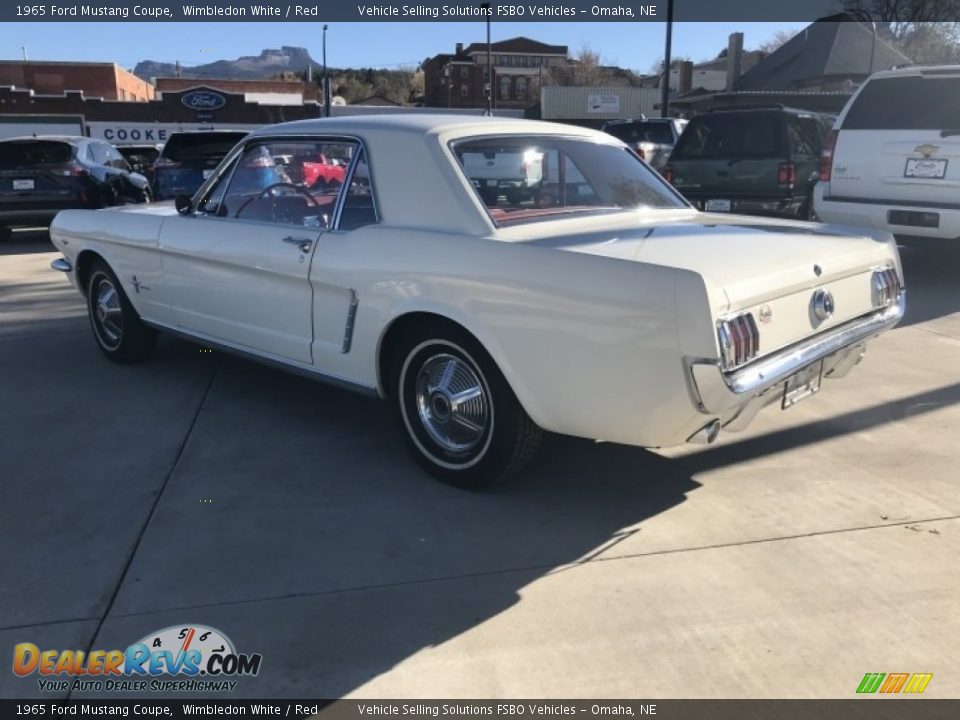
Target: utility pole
[[665, 89], [326, 77], [24, 49], [489, 84]]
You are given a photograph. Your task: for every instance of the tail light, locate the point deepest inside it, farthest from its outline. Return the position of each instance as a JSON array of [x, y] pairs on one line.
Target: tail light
[[826, 157], [72, 170], [166, 163], [885, 287], [667, 173], [787, 175], [739, 340]]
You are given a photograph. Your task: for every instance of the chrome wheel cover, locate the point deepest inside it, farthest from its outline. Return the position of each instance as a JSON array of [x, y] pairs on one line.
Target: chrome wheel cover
[[107, 313], [452, 403]]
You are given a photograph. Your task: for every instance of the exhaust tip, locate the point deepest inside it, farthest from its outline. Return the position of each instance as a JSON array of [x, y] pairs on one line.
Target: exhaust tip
[[707, 434]]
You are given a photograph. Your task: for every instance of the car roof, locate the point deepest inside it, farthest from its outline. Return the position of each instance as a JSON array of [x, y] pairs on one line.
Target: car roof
[[422, 124], [72, 139], [908, 70]]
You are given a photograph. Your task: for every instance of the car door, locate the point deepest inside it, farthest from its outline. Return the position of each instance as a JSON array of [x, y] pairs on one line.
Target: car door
[[236, 268]]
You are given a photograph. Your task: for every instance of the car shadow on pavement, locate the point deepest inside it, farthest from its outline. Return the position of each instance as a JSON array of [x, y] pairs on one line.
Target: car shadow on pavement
[[930, 273], [27, 241], [835, 426], [297, 523]]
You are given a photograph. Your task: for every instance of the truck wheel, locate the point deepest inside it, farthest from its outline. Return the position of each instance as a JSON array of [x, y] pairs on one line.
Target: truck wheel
[[460, 418], [120, 333]]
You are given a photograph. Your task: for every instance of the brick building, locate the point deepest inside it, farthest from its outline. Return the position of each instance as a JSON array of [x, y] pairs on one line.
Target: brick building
[[457, 80], [23, 111], [103, 80]]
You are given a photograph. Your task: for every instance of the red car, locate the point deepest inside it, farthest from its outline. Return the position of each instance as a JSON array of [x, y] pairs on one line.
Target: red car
[[323, 173]]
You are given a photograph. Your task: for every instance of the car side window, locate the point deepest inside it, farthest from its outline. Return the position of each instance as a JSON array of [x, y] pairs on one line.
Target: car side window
[[803, 136], [359, 208], [289, 182], [98, 151]]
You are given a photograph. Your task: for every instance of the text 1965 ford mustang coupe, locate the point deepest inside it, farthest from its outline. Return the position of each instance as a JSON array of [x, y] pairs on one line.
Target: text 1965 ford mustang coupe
[[596, 303]]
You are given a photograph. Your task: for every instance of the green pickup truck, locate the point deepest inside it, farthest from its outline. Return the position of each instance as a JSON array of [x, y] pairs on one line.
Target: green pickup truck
[[756, 161]]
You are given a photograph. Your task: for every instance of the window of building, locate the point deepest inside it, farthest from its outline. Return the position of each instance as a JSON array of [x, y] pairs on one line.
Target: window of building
[[464, 90], [521, 88], [505, 87], [464, 72]]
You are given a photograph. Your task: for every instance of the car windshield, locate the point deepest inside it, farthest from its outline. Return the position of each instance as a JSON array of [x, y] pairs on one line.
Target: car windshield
[[200, 148], [527, 178], [637, 132], [726, 135], [28, 153], [922, 103]]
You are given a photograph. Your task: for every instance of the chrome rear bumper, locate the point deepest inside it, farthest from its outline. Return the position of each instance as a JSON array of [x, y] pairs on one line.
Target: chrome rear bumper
[[717, 392]]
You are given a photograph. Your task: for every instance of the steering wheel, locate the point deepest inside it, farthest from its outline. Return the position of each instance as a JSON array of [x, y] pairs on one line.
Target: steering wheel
[[269, 190]]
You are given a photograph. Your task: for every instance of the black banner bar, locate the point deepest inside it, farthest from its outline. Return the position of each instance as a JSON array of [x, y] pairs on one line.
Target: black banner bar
[[499, 11], [875, 708]]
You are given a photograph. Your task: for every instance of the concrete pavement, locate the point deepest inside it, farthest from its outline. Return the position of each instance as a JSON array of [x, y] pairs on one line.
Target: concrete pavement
[[198, 488]]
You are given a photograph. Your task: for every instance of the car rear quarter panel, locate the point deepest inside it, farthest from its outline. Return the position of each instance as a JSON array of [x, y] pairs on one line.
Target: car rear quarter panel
[[589, 344]]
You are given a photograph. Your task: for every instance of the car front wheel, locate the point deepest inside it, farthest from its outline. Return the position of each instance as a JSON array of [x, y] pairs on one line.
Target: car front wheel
[[120, 333], [460, 418]]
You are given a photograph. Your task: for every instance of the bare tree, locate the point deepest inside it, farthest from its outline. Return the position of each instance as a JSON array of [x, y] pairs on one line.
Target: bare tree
[[924, 30], [777, 41]]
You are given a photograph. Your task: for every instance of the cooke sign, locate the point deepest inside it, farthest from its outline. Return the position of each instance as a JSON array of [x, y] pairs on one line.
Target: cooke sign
[[203, 100], [151, 133], [134, 134]]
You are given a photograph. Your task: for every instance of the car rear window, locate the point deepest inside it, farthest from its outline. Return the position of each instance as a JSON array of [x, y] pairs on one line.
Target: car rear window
[[200, 147], [730, 135], [906, 103], [523, 179], [27, 153], [652, 132]]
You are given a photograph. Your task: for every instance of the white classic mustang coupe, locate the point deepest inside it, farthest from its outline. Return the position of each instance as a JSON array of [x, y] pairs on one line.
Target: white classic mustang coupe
[[489, 278]]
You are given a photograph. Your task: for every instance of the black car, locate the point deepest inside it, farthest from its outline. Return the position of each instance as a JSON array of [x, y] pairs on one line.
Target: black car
[[188, 158], [762, 161], [39, 176], [141, 158]]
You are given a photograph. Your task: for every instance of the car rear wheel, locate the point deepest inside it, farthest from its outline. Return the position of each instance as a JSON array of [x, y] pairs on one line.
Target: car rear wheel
[[460, 418], [120, 333]]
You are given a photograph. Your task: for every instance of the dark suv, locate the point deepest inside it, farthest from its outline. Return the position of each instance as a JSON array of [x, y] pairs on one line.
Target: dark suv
[[759, 161], [189, 158], [39, 176]]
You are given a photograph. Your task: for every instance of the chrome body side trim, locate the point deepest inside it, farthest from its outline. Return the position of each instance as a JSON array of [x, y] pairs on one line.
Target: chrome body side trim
[[287, 365], [62, 264], [351, 318], [717, 392]]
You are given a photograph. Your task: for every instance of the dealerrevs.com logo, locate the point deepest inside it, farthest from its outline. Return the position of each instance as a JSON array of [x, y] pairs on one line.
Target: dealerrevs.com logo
[[179, 658]]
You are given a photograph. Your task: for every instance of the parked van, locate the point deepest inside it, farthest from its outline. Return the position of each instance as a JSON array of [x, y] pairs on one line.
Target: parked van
[[892, 161]]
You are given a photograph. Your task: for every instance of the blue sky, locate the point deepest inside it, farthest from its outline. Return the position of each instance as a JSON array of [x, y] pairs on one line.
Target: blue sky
[[376, 44]]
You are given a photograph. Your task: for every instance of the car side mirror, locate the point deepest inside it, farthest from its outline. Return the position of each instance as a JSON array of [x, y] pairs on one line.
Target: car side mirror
[[184, 204]]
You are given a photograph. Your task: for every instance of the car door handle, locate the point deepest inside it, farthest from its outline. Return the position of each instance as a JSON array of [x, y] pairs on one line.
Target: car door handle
[[303, 243]]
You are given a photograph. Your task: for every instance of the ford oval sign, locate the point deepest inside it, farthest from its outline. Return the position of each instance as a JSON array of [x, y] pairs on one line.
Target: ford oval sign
[[201, 100]]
